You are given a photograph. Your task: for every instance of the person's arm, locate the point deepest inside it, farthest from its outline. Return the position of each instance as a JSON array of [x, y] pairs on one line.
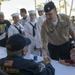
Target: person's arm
[[49, 69], [8, 23], [10, 31], [3, 73], [64, 62], [44, 38], [71, 28], [23, 30], [72, 33], [73, 65], [44, 68]]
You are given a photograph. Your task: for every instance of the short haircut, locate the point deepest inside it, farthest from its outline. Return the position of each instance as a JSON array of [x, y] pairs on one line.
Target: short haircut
[[23, 10], [2, 14]]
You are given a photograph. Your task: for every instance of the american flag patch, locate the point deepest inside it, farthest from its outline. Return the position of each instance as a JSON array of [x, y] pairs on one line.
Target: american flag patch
[[8, 62]]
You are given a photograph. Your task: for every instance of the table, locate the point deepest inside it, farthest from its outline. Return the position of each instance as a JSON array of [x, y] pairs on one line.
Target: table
[[30, 56], [59, 68], [62, 69]]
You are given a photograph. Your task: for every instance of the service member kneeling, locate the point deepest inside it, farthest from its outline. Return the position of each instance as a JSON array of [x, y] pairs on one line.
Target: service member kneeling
[[15, 64]]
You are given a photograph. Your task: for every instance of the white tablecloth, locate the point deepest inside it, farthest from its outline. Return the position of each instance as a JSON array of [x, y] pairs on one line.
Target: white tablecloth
[[59, 68], [62, 69], [30, 56]]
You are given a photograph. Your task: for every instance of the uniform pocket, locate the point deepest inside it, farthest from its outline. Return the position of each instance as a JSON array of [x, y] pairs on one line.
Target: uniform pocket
[[51, 33], [65, 30]]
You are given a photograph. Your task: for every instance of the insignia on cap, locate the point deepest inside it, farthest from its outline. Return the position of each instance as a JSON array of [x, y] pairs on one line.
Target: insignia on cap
[[48, 8]]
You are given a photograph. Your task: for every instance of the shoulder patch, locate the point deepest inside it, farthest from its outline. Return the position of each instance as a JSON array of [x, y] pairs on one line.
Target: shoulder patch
[[41, 66]]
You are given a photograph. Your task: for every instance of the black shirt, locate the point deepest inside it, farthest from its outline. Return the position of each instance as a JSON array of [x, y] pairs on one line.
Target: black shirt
[[4, 28]]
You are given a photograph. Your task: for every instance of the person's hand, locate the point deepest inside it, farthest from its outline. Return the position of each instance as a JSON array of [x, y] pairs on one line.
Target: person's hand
[[47, 59], [64, 63], [73, 65]]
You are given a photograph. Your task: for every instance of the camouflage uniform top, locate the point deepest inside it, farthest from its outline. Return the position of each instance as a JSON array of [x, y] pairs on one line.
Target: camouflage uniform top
[[56, 35]]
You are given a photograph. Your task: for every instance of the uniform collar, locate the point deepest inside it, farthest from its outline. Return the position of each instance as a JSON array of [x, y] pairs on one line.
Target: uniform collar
[[60, 18], [15, 56], [24, 18]]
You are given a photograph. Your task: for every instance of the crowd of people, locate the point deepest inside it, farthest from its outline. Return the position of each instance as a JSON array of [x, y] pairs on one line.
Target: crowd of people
[[51, 35]]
